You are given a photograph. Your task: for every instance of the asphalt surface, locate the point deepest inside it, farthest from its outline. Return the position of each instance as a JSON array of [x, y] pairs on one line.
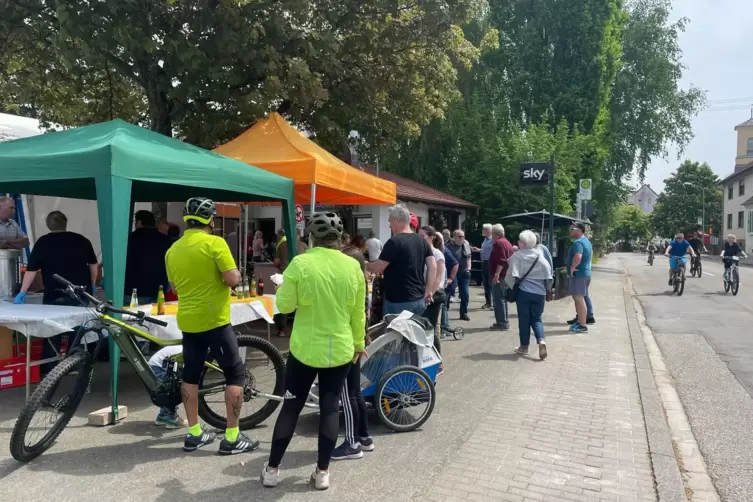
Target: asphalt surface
[[705, 337]]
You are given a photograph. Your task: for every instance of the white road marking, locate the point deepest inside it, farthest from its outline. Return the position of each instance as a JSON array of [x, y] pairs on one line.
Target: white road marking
[[712, 275]]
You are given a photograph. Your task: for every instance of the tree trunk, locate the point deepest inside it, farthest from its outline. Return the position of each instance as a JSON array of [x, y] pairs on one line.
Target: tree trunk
[[160, 117]]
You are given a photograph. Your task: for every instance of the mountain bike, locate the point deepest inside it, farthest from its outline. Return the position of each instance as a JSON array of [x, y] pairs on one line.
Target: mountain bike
[[678, 278], [696, 269], [47, 413], [731, 276]]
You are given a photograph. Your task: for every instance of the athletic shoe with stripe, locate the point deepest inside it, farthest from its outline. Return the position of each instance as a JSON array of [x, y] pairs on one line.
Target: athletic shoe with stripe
[[347, 452], [193, 443], [242, 444], [367, 444]]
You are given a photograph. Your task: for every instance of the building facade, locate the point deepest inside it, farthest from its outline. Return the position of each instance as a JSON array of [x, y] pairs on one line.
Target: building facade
[[645, 198], [737, 215]]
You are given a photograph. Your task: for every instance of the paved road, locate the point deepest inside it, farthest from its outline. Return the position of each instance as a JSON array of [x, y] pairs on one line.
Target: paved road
[[504, 428], [706, 337]]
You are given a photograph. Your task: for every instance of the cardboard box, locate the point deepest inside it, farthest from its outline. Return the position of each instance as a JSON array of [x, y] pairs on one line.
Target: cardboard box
[[6, 343]]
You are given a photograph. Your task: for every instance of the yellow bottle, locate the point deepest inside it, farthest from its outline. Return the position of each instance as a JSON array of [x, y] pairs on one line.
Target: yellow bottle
[[253, 288], [134, 299], [161, 301]]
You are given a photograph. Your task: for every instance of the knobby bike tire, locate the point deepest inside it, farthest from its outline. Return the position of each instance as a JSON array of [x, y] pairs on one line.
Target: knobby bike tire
[[681, 285], [735, 283], [74, 360], [700, 269], [220, 421]]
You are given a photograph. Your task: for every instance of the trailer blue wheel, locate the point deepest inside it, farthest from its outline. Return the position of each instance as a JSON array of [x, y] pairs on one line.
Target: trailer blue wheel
[[405, 398]]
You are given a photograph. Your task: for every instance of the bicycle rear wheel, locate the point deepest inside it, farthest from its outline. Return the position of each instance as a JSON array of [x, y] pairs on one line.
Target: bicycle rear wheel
[[51, 407], [265, 373], [735, 282]]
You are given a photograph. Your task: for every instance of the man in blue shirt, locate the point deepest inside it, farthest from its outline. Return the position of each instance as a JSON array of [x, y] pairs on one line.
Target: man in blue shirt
[[676, 252], [486, 251], [579, 272]]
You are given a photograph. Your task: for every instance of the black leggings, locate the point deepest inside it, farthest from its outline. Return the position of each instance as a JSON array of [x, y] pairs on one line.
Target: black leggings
[[298, 381], [354, 406], [434, 309]]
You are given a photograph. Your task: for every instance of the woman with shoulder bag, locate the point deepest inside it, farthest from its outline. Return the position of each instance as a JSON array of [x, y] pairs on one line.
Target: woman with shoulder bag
[[529, 277]]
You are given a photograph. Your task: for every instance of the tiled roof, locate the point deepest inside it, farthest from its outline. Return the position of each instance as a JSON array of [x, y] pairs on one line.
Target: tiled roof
[[747, 123], [409, 190]]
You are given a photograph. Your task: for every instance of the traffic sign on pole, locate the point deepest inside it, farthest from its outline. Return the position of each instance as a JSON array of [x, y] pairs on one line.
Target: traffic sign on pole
[[298, 213], [585, 187]]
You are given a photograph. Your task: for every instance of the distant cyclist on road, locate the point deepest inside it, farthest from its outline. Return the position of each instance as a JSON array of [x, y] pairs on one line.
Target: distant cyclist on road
[[650, 249], [201, 268], [676, 252], [731, 248]]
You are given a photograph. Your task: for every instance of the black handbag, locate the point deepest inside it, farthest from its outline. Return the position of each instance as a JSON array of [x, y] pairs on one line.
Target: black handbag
[[511, 294]]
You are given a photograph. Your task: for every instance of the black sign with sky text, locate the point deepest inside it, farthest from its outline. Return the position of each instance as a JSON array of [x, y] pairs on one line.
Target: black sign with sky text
[[535, 173]]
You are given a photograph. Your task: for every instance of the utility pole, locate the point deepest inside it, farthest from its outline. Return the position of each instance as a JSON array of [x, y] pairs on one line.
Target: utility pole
[[551, 204]]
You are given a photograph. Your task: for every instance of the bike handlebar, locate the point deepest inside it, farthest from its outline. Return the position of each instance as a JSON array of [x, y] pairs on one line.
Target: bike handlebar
[[103, 306]]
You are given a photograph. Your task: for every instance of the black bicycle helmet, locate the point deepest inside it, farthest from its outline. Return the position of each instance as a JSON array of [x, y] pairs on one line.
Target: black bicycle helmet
[[199, 209], [325, 225]]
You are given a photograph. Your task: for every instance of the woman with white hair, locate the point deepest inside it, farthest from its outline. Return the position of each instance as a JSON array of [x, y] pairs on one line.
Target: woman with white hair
[[530, 270]]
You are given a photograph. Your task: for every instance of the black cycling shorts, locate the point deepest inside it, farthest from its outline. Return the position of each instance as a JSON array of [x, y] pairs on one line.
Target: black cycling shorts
[[218, 344]]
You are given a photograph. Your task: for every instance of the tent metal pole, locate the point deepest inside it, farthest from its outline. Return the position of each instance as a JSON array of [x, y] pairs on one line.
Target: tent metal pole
[[313, 208], [244, 242]]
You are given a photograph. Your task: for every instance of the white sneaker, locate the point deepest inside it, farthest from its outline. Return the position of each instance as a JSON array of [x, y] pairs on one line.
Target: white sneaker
[[522, 350], [542, 350], [320, 479], [270, 478]]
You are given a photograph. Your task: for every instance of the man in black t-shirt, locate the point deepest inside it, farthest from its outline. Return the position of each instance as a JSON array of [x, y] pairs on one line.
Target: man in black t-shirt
[[406, 260], [145, 261], [68, 254]]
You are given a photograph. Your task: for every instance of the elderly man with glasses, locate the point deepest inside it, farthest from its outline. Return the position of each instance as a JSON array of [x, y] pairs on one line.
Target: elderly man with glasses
[[461, 250]]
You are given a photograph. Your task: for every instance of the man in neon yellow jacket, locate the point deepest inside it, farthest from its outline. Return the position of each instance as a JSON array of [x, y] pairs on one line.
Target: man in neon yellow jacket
[[326, 290]]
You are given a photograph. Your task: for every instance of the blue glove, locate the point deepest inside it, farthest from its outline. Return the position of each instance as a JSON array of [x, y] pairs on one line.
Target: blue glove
[[19, 300]]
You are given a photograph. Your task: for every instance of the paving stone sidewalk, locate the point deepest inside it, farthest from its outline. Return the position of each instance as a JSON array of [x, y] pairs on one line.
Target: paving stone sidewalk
[[568, 428]]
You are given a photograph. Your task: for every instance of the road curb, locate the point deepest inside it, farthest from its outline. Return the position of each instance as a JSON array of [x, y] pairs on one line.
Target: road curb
[[669, 481]]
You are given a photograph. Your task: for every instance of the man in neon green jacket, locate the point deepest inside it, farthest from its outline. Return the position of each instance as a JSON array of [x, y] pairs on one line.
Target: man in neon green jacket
[[326, 290]]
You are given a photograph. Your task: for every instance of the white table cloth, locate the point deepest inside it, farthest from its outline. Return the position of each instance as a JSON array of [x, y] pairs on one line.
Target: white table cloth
[[44, 321]]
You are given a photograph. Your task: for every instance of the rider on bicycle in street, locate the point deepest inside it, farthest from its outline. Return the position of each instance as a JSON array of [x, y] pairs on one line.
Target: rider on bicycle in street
[[676, 252], [731, 248], [202, 270], [650, 249], [697, 243]]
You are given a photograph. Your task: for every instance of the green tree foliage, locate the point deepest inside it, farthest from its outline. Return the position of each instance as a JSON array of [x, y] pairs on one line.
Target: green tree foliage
[[678, 208], [630, 224], [209, 68], [648, 109]]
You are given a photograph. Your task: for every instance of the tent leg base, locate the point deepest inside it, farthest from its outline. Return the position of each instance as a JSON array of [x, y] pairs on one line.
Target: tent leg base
[[105, 416]]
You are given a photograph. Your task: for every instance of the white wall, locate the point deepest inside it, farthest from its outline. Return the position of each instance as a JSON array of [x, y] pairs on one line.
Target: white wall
[[82, 216]]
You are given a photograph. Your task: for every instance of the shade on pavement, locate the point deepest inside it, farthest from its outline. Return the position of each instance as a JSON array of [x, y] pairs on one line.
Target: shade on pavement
[[118, 164], [274, 145]]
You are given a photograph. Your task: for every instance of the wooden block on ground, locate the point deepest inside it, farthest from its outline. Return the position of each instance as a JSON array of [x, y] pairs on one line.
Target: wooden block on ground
[[104, 416]]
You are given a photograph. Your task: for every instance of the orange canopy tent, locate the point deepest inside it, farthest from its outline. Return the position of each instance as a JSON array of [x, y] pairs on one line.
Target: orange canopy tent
[[274, 145]]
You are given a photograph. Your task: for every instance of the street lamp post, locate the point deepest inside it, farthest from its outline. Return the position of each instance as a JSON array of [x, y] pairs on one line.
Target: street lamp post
[[703, 204]]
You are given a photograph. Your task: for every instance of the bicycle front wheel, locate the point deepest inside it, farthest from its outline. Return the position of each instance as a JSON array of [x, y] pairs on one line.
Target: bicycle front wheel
[[735, 282], [265, 374], [51, 407]]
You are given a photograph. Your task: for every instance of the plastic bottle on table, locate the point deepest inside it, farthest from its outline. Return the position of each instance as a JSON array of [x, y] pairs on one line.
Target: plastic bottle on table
[[134, 299], [260, 287], [252, 291]]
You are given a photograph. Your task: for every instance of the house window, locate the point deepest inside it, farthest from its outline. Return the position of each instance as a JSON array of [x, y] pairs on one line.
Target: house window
[[741, 187], [730, 191], [750, 222], [740, 219], [729, 220], [749, 147]]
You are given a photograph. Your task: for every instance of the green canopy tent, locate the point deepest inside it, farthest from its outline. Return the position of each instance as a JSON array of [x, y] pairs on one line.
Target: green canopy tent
[[118, 164]]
